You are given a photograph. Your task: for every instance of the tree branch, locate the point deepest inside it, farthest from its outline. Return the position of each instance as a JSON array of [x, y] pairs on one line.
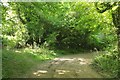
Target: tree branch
[[107, 5]]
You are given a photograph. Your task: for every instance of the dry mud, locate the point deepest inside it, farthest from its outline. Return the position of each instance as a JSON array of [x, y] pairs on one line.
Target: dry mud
[[68, 66]]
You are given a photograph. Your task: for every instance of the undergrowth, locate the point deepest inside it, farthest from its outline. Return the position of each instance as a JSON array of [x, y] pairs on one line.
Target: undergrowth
[[16, 63], [107, 63]]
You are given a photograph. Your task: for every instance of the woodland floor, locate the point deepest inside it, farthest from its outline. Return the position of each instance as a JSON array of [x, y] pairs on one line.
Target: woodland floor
[[68, 66]]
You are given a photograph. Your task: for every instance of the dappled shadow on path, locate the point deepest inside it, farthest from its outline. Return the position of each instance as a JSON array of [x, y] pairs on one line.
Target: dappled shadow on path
[[69, 66]]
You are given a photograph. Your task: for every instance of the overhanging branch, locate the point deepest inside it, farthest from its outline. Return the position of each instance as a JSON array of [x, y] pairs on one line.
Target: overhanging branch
[[106, 5]]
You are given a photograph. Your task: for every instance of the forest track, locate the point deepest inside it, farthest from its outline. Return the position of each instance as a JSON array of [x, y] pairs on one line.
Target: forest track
[[68, 66]]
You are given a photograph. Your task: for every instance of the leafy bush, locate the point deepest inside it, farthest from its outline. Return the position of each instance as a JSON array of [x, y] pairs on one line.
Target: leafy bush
[[41, 53], [9, 41], [108, 63]]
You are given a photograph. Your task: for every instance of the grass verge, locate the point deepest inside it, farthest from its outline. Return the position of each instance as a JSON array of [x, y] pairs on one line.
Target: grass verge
[[107, 65], [16, 63]]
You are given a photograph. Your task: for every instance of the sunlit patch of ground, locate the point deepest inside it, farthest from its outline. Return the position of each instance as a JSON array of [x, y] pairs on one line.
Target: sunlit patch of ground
[[69, 66], [40, 72], [62, 71], [81, 61]]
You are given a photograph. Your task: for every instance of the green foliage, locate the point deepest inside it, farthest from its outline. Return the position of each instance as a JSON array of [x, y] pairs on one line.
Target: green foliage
[[56, 24], [108, 63], [50, 41], [42, 53], [75, 26], [12, 29], [20, 61]]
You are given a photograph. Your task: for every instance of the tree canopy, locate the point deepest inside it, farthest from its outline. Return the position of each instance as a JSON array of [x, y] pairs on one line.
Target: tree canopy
[[59, 24], [77, 26]]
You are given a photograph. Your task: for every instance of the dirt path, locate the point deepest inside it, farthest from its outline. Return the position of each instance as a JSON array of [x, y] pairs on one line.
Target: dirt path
[[68, 66]]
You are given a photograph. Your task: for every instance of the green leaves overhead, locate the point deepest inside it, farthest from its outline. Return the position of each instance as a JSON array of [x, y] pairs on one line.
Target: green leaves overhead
[[69, 24]]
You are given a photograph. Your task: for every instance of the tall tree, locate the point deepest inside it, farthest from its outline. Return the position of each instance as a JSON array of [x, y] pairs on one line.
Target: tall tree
[[101, 8]]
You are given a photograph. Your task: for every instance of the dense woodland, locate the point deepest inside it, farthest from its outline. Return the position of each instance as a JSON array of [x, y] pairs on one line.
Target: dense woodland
[[50, 29]]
